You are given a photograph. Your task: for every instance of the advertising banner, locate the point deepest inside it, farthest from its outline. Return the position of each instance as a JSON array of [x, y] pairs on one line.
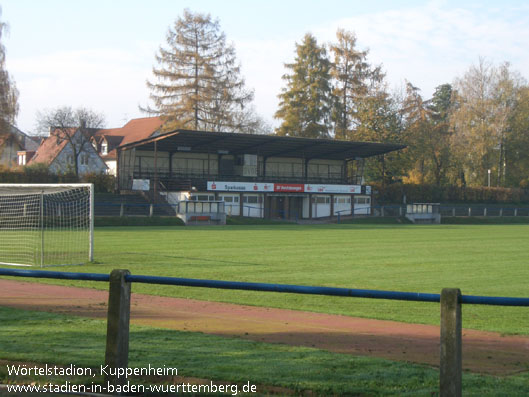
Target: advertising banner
[[289, 187], [240, 187], [340, 189], [283, 188]]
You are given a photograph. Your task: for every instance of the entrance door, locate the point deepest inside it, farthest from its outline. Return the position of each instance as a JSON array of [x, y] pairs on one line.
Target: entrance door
[[280, 207], [295, 207]]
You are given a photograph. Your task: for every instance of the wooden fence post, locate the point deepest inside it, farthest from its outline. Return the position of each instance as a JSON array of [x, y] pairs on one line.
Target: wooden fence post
[[450, 381], [117, 348]]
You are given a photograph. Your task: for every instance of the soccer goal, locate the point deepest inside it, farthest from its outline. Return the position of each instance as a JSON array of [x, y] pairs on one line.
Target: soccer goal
[[46, 224]]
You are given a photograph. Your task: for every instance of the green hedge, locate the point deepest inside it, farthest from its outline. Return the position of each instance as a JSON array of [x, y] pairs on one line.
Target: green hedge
[[394, 193], [137, 221], [39, 173]]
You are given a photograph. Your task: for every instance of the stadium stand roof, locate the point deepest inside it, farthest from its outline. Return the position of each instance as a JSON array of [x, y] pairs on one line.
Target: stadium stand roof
[[263, 145]]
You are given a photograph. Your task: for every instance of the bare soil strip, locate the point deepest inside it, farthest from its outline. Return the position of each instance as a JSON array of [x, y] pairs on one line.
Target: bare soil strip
[[483, 352]]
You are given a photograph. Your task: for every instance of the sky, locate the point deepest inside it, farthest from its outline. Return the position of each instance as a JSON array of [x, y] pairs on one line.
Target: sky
[[99, 54]]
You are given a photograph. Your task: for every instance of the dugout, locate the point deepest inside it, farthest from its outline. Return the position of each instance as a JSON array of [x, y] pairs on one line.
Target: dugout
[[262, 176]]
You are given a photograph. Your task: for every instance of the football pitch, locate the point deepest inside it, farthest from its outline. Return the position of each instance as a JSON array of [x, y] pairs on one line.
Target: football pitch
[[488, 260]]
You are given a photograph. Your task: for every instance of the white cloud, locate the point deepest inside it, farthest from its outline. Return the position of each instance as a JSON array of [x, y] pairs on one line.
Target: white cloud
[[434, 43], [428, 45]]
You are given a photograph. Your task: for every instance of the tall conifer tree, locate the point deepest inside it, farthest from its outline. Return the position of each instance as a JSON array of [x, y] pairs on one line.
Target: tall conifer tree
[[305, 103], [197, 82]]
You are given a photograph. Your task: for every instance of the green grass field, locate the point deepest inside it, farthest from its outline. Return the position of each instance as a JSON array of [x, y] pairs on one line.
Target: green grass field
[[479, 259], [298, 369]]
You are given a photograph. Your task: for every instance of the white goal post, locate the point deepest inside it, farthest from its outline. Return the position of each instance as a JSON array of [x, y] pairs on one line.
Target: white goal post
[[46, 224]]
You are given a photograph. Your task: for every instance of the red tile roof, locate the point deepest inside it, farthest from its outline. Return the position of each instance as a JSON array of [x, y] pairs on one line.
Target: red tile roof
[[134, 130], [48, 150]]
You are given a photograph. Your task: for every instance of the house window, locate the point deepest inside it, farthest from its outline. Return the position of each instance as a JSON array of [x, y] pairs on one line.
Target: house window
[[84, 159], [21, 159], [69, 159], [104, 148]]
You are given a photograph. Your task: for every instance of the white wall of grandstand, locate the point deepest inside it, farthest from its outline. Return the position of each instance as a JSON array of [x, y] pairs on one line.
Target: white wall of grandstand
[[290, 178]]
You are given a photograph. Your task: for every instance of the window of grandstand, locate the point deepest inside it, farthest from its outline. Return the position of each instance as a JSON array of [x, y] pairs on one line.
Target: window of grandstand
[[321, 200], [230, 199], [342, 200], [202, 197], [362, 200], [252, 199]]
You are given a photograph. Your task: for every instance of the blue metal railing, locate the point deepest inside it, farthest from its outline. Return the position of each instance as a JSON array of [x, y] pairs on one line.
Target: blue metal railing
[[267, 287]]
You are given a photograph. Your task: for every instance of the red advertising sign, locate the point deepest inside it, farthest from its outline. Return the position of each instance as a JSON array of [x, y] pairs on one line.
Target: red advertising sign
[[289, 187]]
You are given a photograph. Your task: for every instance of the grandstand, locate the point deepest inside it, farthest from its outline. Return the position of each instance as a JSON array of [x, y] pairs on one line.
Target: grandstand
[[254, 175]]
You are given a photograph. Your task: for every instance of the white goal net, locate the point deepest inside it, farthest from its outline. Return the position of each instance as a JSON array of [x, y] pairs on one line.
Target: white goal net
[[45, 225]]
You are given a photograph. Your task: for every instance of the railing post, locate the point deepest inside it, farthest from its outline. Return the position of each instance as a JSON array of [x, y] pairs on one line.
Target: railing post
[[454, 211], [121, 210], [450, 381], [501, 211], [151, 210], [117, 348], [485, 211]]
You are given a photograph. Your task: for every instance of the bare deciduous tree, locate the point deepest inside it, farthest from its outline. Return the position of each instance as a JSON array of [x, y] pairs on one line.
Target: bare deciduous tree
[[75, 126]]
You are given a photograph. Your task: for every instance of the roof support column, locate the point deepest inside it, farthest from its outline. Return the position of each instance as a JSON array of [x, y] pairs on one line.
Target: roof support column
[[171, 165], [265, 159], [361, 163], [118, 171], [155, 168], [305, 169]]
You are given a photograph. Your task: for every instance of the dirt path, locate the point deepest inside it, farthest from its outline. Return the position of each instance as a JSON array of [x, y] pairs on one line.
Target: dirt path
[[484, 352]]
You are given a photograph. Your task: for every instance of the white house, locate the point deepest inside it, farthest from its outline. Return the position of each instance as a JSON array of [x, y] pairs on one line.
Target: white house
[[58, 154]]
